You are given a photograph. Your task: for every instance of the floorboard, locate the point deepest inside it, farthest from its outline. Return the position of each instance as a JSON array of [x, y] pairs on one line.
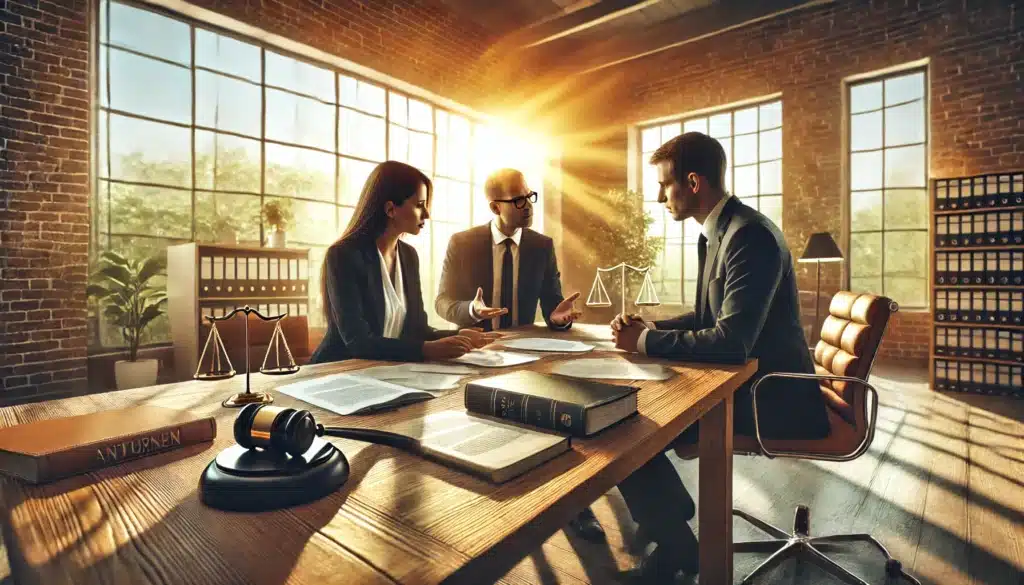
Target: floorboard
[[942, 487]]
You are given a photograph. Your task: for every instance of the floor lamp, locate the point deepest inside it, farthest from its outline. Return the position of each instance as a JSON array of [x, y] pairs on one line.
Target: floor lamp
[[820, 248]]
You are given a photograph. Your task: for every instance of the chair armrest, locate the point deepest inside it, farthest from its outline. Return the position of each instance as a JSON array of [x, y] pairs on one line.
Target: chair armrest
[[870, 412]]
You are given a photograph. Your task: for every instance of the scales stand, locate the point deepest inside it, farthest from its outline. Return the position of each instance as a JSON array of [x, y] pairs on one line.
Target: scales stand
[[220, 364], [647, 297]]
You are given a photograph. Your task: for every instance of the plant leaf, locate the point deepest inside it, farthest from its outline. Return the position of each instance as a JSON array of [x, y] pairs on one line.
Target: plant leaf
[[153, 266]]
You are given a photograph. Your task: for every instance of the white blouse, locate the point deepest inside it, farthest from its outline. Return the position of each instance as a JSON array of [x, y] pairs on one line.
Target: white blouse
[[394, 298]]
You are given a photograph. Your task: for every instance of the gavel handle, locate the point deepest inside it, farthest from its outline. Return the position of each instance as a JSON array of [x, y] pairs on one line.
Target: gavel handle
[[371, 436]]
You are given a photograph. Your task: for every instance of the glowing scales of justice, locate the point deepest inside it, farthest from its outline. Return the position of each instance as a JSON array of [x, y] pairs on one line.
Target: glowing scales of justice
[[598, 296], [220, 364]]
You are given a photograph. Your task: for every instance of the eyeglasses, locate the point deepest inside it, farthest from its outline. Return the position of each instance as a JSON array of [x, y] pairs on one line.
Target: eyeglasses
[[520, 202]]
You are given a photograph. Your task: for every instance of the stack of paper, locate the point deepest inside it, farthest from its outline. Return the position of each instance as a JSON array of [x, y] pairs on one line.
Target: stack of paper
[[430, 377], [347, 393], [612, 368], [544, 344], [495, 359]]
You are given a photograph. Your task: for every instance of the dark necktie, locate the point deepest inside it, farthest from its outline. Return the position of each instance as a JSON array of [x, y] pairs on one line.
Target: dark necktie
[[702, 254], [506, 284]]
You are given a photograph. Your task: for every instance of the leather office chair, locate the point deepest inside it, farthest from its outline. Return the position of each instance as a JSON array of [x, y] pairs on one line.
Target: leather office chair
[[843, 357]]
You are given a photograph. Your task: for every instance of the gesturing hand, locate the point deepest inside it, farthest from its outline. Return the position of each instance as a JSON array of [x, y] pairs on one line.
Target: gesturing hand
[[565, 312], [447, 348], [482, 310], [478, 338]]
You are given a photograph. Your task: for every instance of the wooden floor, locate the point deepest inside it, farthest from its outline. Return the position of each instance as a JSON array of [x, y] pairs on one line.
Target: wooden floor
[[940, 487]]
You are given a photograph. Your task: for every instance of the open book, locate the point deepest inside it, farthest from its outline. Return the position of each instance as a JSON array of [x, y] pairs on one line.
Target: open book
[[491, 449]]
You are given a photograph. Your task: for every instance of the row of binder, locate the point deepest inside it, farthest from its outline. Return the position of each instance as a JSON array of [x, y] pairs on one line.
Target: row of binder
[[978, 342], [993, 228], [995, 190], [252, 288], [978, 377], [266, 309], [990, 267], [993, 307], [252, 268]]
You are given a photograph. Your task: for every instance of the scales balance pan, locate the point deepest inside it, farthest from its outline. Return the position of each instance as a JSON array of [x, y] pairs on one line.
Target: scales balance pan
[[598, 297]]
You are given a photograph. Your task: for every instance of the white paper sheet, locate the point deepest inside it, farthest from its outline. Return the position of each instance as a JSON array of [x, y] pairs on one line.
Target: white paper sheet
[[613, 369], [443, 369], [544, 344], [489, 358], [346, 393], [407, 375]]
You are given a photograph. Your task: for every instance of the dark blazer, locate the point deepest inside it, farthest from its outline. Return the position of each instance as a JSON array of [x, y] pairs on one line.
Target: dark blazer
[[750, 309], [355, 302], [469, 263]]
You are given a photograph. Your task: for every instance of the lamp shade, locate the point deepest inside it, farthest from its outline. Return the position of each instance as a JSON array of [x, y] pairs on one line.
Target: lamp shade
[[821, 248]]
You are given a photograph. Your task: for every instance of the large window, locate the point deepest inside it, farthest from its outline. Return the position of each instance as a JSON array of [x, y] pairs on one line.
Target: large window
[[752, 139], [888, 187], [198, 129]]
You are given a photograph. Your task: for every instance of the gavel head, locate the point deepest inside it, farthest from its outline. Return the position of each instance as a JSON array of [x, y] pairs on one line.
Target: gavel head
[[274, 428]]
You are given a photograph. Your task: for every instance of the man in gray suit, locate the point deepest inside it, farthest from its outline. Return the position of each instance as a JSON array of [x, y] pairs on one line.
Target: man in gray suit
[[746, 307]]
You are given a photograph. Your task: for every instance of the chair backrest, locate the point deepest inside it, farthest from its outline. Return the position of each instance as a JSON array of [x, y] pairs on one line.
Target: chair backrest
[[232, 333], [850, 337]]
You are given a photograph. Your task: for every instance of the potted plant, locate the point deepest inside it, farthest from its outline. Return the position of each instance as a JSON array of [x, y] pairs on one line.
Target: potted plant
[[130, 302], [277, 217]]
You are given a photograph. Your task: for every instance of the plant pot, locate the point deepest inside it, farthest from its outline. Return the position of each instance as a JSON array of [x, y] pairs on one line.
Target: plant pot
[[135, 374], [276, 239]]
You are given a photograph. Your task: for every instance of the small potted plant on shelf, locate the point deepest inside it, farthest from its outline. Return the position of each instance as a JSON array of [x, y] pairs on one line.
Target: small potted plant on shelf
[[131, 302], [277, 217]]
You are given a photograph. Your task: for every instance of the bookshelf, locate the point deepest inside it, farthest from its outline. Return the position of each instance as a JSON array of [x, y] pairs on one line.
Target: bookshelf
[[977, 284], [213, 279]]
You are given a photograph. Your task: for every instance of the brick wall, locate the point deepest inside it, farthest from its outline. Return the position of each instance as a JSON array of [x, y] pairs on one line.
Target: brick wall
[[44, 146], [976, 52], [44, 189]]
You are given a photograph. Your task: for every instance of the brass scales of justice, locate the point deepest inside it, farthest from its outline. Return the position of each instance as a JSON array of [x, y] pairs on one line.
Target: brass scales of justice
[[220, 367], [647, 297]]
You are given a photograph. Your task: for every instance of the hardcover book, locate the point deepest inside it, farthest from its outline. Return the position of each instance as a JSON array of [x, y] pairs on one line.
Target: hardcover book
[[576, 406], [51, 449]]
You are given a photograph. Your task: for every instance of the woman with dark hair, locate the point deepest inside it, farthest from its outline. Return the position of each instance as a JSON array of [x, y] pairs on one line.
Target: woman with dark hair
[[371, 283]]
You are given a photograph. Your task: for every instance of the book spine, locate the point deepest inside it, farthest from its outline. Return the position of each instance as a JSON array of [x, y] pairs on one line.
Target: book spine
[[544, 413], [87, 458]]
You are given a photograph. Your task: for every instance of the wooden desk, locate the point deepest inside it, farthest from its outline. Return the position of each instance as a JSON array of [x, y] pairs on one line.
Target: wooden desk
[[399, 519]]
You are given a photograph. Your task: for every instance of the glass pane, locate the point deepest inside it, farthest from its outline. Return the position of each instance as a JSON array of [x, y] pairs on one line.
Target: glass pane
[[866, 254], [670, 131], [771, 207], [650, 182], [771, 116], [865, 211], [227, 163], [153, 211], [745, 121], [150, 33], [720, 125], [673, 228], [228, 104], [657, 213], [312, 222], [299, 120], [746, 149], [361, 134], [866, 96], [344, 218], [421, 151], [451, 201], [421, 116], [727, 147], [904, 124], [904, 166], [908, 292], [150, 88], [353, 177], [300, 77], [398, 109], [771, 145], [866, 170], [650, 140], [299, 172], [866, 131], [398, 144], [364, 96], [771, 177], [746, 181], [868, 284], [150, 152], [690, 266], [673, 268], [906, 254], [906, 209], [227, 54], [101, 77], [481, 211], [102, 168], [904, 88], [690, 290], [222, 217], [696, 125]]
